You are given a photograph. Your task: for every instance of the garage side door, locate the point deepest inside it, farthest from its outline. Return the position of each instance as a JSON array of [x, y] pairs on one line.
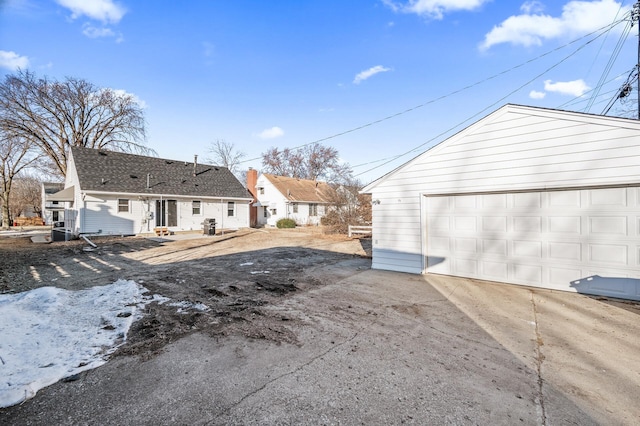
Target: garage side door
[[581, 240]]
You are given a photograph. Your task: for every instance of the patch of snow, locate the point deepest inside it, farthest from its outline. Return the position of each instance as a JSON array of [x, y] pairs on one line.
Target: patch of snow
[[258, 272], [48, 333], [246, 264], [183, 306]]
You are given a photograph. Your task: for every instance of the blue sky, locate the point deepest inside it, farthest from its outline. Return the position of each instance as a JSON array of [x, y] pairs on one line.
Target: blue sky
[[263, 74]]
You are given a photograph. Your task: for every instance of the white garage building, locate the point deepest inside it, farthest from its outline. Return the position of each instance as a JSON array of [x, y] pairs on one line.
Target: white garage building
[[527, 196]]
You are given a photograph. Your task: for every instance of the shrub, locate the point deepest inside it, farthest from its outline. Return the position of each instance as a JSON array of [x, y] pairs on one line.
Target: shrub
[[286, 223]]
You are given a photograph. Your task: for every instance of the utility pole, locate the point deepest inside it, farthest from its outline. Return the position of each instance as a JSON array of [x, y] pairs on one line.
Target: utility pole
[[635, 17]]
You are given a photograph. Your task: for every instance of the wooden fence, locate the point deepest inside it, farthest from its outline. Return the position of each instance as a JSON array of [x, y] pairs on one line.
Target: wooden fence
[[366, 230]]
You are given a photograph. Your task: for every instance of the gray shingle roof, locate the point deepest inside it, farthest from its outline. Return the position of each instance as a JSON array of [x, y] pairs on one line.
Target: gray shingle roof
[[108, 171]]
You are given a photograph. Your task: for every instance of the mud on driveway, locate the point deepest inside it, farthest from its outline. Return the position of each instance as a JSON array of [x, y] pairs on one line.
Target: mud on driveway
[[237, 275]]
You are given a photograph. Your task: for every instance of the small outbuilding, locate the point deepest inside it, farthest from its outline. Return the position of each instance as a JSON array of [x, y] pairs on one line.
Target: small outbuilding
[[109, 192], [526, 195]]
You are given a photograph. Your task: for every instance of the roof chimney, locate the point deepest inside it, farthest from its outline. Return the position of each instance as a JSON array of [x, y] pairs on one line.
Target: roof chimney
[[252, 180], [195, 164]]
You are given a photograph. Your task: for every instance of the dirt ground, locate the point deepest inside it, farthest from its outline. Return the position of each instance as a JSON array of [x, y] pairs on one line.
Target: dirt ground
[[301, 330], [236, 275]]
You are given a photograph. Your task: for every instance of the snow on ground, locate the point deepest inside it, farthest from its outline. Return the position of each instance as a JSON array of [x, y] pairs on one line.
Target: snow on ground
[[48, 333]]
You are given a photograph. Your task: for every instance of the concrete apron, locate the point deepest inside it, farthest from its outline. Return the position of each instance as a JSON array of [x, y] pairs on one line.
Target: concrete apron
[[586, 348]]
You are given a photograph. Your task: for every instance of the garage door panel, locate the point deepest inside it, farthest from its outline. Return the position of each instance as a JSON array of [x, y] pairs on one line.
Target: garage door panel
[[494, 247], [561, 277], [465, 202], [438, 204], [565, 224], [561, 251], [493, 201], [527, 273], [527, 249], [439, 244], [494, 223], [608, 254], [527, 224], [439, 223], [465, 223], [608, 225], [466, 245], [498, 271], [567, 240], [564, 198], [465, 267], [527, 200], [614, 197]]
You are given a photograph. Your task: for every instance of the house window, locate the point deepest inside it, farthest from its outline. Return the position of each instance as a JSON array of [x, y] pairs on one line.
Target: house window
[[55, 203], [261, 191], [274, 212], [123, 205], [55, 216], [295, 207], [231, 208], [266, 212], [196, 207], [321, 210], [313, 210]]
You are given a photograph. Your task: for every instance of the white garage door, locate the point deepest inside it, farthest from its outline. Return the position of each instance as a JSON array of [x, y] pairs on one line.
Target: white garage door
[[581, 240]]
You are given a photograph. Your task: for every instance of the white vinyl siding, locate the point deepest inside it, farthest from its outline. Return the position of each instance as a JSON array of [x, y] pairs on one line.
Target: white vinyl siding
[[103, 217], [514, 149], [519, 148]]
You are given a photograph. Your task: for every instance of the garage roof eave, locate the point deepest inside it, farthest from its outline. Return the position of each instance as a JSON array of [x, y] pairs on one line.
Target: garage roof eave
[[67, 194]]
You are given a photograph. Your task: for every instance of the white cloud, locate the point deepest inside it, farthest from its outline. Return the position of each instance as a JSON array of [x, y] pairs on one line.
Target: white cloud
[[102, 10], [537, 95], [434, 9], [362, 76], [13, 61], [573, 88], [532, 27], [95, 32], [272, 133], [135, 98], [532, 7]]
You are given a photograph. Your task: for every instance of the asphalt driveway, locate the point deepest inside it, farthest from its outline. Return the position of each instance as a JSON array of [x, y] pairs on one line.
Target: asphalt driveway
[[377, 347]]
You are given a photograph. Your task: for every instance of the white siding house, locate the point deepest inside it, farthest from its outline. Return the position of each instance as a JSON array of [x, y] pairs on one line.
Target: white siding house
[[116, 193], [52, 211], [302, 200], [526, 195]]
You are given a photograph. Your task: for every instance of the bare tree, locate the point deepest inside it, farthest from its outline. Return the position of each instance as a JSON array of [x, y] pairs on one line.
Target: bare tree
[[58, 114], [16, 154], [315, 162], [26, 195], [224, 154], [349, 207]]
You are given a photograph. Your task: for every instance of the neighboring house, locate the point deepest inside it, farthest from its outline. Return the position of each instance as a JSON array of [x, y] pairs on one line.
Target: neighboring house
[[526, 195], [52, 211], [115, 193], [302, 200]]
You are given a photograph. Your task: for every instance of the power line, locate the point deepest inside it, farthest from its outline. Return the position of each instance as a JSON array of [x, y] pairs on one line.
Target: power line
[[391, 159], [455, 92], [612, 59]]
